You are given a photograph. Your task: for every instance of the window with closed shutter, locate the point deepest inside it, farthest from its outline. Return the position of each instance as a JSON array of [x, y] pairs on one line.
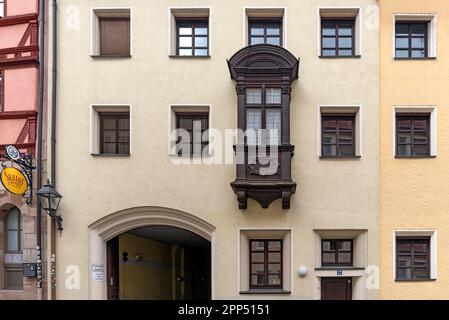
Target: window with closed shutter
[[114, 36]]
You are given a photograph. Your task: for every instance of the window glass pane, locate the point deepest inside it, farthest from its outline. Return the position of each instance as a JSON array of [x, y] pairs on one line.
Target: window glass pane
[[345, 124], [328, 258], [274, 257], [253, 126], [345, 52], [404, 273], [328, 31], [420, 124], [329, 150], [345, 42], [274, 245], [326, 246], [420, 137], [404, 247], [274, 41], [401, 54], [201, 52], [405, 124], [12, 221], [345, 31], [109, 123], [109, 136], [185, 41], [344, 245], [422, 273], [123, 136], [404, 261], [257, 268], [185, 123], [404, 150], [404, 138], [329, 138], [330, 125], [345, 137], [418, 54], [109, 148], [401, 29], [418, 29], [12, 241], [344, 257], [257, 280], [257, 40], [401, 42], [257, 257], [420, 261], [253, 96], [328, 53], [123, 123], [421, 150], [418, 43], [274, 268], [185, 31], [257, 245], [201, 31], [274, 280], [346, 150], [123, 148], [201, 42], [185, 52], [257, 30], [329, 43], [273, 125], [273, 96], [273, 30], [420, 247]]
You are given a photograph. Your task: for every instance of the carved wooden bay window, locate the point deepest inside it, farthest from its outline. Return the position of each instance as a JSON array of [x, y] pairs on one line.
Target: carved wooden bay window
[[264, 75]]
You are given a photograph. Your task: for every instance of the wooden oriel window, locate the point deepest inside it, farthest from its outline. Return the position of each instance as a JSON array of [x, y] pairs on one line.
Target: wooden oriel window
[[263, 116], [265, 264], [337, 37], [114, 133], [336, 253], [338, 135], [412, 135], [265, 31], [194, 124], [115, 36], [2, 90], [192, 37], [412, 258], [411, 39]]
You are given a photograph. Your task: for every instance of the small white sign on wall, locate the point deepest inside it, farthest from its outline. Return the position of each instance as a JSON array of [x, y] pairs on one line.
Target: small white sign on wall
[[98, 272]]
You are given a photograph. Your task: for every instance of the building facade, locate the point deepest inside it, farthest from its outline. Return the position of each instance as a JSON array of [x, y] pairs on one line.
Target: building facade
[[413, 155], [156, 206], [19, 80]]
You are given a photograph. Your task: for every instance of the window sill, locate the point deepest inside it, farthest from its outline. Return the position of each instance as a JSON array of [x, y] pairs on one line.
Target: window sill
[[111, 56], [174, 156], [340, 158], [174, 56], [265, 291], [415, 157], [427, 58], [334, 268], [110, 155], [11, 290], [414, 280], [341, 57]]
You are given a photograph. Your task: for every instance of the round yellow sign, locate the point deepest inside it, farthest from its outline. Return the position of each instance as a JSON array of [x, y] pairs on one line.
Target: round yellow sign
[[14, 180]]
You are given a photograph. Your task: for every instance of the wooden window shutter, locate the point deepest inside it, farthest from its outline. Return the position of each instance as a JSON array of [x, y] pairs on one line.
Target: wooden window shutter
[[115, 36]]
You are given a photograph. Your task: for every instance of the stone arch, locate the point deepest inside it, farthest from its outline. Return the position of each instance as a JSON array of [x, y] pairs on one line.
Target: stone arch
[[125, 220]]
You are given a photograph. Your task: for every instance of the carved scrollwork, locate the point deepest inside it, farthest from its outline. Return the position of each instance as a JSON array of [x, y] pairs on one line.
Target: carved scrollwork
[[242, 199]]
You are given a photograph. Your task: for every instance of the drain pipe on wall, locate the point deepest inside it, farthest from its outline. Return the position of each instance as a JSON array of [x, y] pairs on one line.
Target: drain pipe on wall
[[39, 155], [53, 141]]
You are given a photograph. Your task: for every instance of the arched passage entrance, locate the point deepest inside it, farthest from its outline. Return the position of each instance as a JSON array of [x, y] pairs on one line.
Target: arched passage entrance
[[163, 227]]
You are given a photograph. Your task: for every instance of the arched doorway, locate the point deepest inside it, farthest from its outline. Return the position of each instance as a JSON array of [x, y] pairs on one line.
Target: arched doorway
[[151, 253]]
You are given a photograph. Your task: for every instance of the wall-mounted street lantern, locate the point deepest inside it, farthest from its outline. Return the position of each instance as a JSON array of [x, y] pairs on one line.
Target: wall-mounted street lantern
[[50, 199]]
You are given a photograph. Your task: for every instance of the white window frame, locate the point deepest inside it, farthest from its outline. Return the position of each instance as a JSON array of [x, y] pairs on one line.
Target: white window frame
[[418, 233], [342, 109], [173, 109], [188, 12], [431, 19], [342, 12], [95, 110], [264, 12], [433, 124], [98, 12], [2, 9]]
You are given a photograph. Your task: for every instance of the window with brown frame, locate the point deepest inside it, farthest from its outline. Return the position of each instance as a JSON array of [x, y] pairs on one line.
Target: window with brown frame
[[336, 253], [265, 264], [13, 232], [194, 124], [192, 37], [114, 133], [2, 86], [412, 135], [114, 36], [337, 37], [411, 39], [413, 258], [263, 116], [338, 135], [265, 31]]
